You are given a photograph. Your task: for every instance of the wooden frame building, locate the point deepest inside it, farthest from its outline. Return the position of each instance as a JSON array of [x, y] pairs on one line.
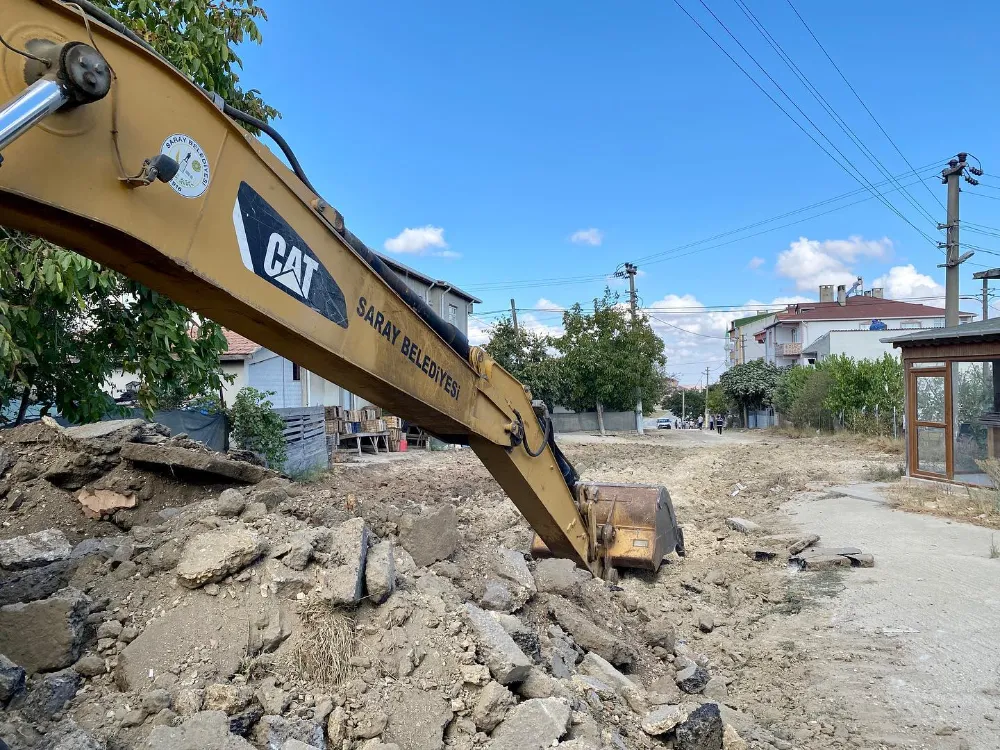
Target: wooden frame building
[[952, 385]]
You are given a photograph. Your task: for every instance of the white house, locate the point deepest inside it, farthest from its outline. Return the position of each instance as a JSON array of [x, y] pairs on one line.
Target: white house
[[742, 346], [854, 343], [789, 338], [293, 386]]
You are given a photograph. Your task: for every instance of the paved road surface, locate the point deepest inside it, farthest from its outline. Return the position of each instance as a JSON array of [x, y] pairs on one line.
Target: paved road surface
[[935, 593]]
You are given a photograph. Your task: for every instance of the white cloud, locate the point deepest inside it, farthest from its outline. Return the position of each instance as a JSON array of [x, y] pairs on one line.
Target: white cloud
[[810, 263], [590, 236], [421, 241], [902, 282], [755, 263]]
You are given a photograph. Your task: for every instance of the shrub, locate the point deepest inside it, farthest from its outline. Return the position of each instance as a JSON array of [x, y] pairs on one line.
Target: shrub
[[257, 427]]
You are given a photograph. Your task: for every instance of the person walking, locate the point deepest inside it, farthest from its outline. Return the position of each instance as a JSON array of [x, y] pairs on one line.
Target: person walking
[[711, 423], [701, 422], [719, 422]]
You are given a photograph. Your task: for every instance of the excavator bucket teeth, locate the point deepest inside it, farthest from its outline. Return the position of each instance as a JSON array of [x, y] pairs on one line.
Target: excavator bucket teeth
[[644, 522]]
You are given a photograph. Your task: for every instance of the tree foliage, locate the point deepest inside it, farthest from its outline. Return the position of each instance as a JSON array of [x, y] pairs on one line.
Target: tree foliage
[[200, 38], [526, 355], [257, 427], [606, 358], [602, 357], [691, 400], [752, 385], [67, 322]]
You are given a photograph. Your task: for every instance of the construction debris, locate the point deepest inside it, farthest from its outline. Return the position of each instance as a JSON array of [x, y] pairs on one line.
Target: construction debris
[[100, 503], [193, 462]]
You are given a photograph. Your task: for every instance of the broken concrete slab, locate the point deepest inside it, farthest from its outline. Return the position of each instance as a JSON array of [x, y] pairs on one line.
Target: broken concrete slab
[[33, 550], [792, 543], [35, 583], [763, 554], [662, 719], [272, 732], [692, 679], [660, 632], [417, 719], [701, 730], [742, 525], [285, 582], [12, 679], [596, 666], [212, 556], [204, 730], [555, 575], [230, 699], [47, 634], [510, 565], [533, 725], [825, 551], [820, 562], [862, 560], [589, 636], [380, 572], [497, 597], [167, 640], [49, 695], [429, 536], [506, 661], [343, 584], [183, 460], [270, 626], [116, 430], [491, 706]]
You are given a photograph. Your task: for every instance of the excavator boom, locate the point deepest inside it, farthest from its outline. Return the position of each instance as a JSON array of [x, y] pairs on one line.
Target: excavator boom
[[109, 150]]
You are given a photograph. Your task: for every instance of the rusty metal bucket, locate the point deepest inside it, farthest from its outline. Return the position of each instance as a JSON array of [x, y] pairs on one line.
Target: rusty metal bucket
[[636, 525]]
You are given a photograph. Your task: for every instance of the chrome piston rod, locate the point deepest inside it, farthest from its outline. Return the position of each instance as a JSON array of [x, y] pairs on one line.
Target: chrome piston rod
[[41, 99]]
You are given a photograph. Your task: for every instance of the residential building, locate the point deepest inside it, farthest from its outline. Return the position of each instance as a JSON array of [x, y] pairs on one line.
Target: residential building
[[789, 338], [852, 342], [258, 367], [743, 346]]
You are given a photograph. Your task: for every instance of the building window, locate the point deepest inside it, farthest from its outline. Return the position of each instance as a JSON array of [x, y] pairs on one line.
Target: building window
[[453, 315], [910, 324], [864, 326], [296, 372], [795, 335]]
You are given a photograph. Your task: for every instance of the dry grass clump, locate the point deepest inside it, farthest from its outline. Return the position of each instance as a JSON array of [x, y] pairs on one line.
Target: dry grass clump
[[975, 505], [325, 645]]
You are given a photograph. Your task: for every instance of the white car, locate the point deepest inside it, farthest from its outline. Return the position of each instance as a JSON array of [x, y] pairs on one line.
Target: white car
[[664, 423]]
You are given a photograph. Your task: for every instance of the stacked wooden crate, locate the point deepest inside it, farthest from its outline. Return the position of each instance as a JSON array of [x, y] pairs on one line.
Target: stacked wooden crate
[[334, 420], [395, 427]]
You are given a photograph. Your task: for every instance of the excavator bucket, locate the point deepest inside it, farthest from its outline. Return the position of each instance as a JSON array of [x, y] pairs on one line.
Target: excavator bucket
[[636, 522]]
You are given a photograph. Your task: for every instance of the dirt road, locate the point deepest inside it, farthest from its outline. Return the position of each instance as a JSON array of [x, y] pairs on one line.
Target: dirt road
[[900, 655]]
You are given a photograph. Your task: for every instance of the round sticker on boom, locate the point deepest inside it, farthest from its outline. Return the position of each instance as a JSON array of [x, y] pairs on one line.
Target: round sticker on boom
[[192, 177]]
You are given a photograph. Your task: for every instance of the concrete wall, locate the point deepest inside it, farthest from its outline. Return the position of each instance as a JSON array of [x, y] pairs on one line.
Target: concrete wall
[[858, 344], [239, 371], [266, 371], [614, 421]]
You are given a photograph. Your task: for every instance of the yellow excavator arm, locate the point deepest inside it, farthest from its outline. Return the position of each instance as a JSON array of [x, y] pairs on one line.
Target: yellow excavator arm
[[109, 150]]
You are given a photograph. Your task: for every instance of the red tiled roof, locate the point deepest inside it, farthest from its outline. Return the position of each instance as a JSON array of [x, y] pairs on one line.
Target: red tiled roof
[[859, 308], [239, 346]]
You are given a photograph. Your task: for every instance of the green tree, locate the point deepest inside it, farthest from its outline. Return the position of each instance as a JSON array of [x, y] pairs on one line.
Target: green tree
[[692, 400], [807, 409], [526, 355], [790, 385], [750, 386], [68, 323], [718, 401], [607, 358], [257, 427]]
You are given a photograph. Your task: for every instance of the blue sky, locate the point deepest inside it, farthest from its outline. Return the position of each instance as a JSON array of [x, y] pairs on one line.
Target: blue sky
[[498, 134]]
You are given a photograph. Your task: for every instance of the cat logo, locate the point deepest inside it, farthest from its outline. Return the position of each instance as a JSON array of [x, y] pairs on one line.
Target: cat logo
[[274, 251], [295, 272]]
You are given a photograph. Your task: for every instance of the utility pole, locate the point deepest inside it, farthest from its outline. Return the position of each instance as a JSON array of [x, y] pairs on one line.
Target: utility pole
[[513, 315], [683, 407], [706, 396], [991, 273], [630, 271], [950, 176]]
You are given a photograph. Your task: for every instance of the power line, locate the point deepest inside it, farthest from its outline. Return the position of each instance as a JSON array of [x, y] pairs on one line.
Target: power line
[[861, 101], [859, 177], [834, 115], [692, 333]]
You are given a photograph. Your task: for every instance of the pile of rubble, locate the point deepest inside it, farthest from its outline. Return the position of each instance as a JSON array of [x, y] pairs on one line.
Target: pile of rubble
[[799, 549], [266, 616]]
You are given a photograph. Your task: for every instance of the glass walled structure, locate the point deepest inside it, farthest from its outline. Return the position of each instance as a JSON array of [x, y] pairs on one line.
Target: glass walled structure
[[952, 424]]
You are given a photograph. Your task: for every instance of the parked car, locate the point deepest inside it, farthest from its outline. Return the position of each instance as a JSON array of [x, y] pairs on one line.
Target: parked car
[[663, 423]]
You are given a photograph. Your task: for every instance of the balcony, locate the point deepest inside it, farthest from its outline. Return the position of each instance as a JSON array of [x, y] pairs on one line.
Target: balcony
[[790, 350]]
